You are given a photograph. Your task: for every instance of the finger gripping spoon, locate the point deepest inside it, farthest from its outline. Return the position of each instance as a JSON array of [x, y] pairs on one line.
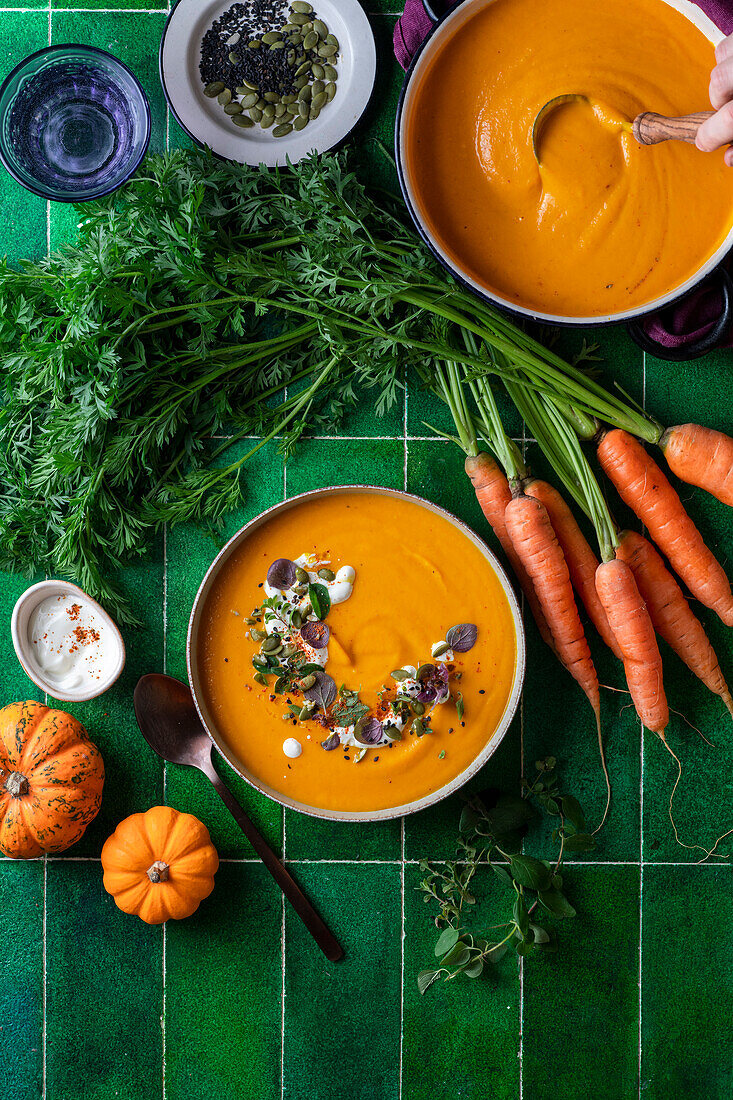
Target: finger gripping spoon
[[648, 128], [170, 724]]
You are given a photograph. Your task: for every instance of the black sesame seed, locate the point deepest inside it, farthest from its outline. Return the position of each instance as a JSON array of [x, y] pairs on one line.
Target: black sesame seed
[[267, 69], [481, 691]]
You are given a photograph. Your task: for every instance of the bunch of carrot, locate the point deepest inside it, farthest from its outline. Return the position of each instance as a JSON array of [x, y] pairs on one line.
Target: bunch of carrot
[[630, 594]]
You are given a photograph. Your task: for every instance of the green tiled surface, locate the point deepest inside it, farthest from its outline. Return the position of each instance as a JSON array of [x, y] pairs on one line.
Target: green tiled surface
[[236, 1003]]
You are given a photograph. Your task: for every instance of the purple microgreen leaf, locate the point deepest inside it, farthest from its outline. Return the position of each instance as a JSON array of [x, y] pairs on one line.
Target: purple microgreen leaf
[[368, 731], [281, 574], [323, 692], [463, 637], [331, 742], [320, 600], [315, 635]]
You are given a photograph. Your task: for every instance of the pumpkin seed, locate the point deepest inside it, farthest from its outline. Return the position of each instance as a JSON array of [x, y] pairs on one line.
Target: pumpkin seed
[[272, 644], [259, 662], [288, 28], [271, 97], [318, 71], [271, 36], [233, 109], [307, 682], [332, 40], [251, 620], [317, 87], [307, 27], [262, 103], [301, 575], [261, 678], [301, 81], [233, 39], [290, 99], [307, 712], [418, 727], [439, 650], [418, 708], [281, 684], [279, 110], [267, 121], [304, 108], [249, 85], [319, 101], [255, 114], [250, 100], [296, 39], [327, 574], [305, 94], [290, 57], [329, 72], [234, 58], [288, 651], [224, 97], [283, 130], [287, 117], [304, 68], [301, 6], [314, 113], [320, 28], [328, 51], [310, 40], [299, 18], [254, 44], [296, 618], [258, 635], [277, 46], [212, 90], [330, 91], [301, 122]]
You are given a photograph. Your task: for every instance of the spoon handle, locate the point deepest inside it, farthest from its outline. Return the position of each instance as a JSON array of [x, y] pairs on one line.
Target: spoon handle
[[325, 939], [650, 128]]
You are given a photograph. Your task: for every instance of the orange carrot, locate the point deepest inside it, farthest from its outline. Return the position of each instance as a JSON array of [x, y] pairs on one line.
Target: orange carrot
[[528, 526], [630, 622], [581, 561], [701, 456], [643, 486], [671, 614], [493, 494]]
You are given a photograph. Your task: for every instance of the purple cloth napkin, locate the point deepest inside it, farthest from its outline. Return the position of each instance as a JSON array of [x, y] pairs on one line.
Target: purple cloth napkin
[[694, 317]]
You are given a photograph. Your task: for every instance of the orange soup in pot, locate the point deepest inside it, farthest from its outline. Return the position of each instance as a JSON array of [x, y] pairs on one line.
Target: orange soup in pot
[[357, 652], [605, 225]]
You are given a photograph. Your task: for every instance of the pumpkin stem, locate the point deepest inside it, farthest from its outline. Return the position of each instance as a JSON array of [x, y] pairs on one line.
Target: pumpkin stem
[[158, 871], [16, 784]]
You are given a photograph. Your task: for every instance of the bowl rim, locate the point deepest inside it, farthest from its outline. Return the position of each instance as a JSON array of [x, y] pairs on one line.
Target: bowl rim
[[389, 812], [35, 594], [459, 12], [134, 164]]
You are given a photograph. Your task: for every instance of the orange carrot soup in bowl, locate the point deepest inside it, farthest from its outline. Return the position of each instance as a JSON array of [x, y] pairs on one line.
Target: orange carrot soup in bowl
[[602, 228], [356, 653]]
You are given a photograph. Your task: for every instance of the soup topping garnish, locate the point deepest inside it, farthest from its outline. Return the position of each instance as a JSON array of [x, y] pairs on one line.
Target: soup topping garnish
[[294, 649]]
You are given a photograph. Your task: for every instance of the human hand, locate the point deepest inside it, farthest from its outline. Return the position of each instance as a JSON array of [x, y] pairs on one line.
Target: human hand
[[717, 131]]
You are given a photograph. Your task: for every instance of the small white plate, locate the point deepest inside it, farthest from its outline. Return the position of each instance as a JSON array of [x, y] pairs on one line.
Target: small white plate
[[204, 120], [20, 631]]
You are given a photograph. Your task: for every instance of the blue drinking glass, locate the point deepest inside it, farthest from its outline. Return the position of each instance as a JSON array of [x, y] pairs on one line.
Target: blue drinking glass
[[74, 123]]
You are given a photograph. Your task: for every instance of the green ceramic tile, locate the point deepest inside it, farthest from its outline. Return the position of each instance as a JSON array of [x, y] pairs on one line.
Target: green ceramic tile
[[134, 774], [146, 6], [21, 983], [310, 838], [223, 1002], [461, 1038], [23, 232], [618, 359], [581, 1023], [104, 992], [14, 684], [342, 1020], [132, 36], [686, 1013], [189, 553], [700, 390]]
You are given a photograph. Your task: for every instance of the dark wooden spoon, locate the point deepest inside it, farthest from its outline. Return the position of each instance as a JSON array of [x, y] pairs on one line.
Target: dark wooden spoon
[[170, 724]]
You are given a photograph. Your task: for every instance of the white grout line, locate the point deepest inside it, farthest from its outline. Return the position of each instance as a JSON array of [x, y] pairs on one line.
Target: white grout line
[[408, 862], [405, 437]]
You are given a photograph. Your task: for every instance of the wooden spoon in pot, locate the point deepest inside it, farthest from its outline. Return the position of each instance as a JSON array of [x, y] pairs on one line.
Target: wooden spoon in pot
[[170, 724], [648, 128]]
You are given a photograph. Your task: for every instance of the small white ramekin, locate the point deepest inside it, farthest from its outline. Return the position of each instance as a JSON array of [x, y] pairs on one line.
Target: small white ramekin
[[19, 623]]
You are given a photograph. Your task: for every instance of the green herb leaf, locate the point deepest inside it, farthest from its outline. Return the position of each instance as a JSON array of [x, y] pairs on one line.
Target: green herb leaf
[[556, 903], [460, 705], [320, 600], [529, 872], [426, 978], [447, 939], [573, 811], [580, 842]]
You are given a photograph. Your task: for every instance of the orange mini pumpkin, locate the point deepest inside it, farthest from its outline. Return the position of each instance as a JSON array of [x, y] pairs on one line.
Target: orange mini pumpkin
[[51, 779], [159, 864]]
